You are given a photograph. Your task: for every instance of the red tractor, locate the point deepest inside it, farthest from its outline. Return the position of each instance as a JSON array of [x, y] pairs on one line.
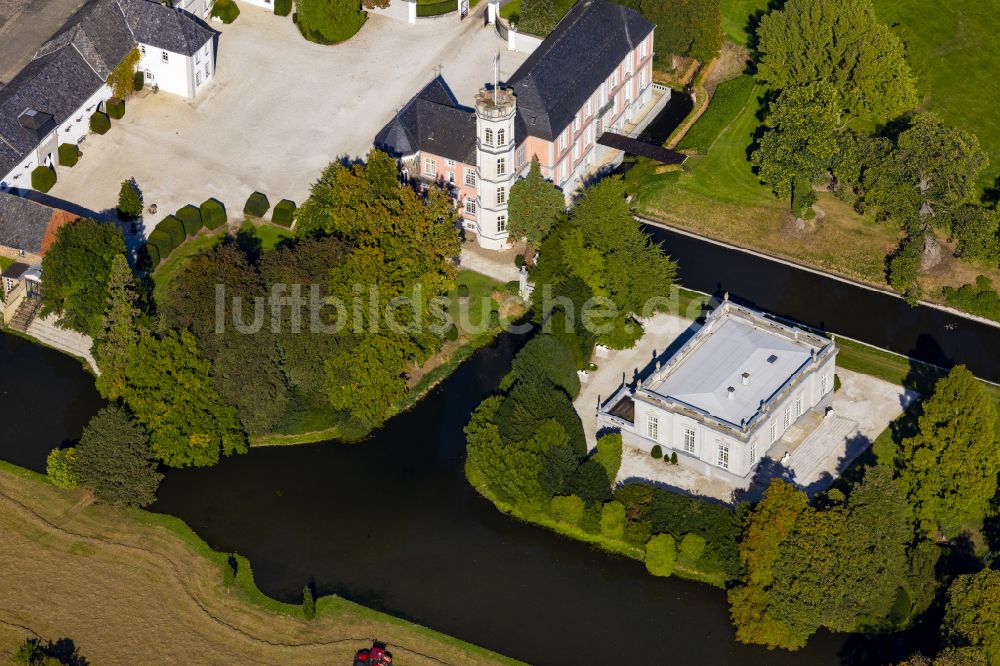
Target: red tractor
[[376, 655]]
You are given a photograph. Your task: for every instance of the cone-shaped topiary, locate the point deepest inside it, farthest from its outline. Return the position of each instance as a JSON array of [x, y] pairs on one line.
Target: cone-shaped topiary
[[656, 452]]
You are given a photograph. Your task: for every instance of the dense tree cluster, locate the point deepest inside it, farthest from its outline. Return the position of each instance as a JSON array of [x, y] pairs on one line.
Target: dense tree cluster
[[328, 21], [600, 252], [535, 205], [691, 28]]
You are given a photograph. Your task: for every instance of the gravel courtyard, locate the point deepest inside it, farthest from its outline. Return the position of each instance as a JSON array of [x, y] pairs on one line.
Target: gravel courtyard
[[278, 111]]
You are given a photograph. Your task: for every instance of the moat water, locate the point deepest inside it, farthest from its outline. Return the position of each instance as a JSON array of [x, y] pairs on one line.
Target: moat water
[[392, 523]]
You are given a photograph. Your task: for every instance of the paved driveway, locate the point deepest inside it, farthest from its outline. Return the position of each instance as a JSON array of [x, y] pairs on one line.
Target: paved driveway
[[279, 110]]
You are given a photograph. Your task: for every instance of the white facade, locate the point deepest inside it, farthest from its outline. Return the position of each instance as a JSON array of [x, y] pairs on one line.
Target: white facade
[[729, 394], [177, 73], [266, 4], [495, 112]]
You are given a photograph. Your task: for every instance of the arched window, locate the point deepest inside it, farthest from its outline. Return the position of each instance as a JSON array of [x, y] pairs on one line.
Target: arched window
[[500, 137], [488, 136]]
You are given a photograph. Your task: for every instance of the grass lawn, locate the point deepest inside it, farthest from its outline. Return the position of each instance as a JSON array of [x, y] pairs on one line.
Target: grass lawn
[[510, 9], [153, 593], [268, 234], [167, 270], [729, 98], [5, 263]]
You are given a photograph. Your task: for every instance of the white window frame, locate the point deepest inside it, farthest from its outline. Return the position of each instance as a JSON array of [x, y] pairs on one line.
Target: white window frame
[[576, 150], [470, 205], [521, 155], [430, 167], [501, 137], [164, 57], [576, 123], [470, 177], [786, 418], [450, 163], [722, 459], [774, 431], [501, 195], [798, 406], [501, 166], [488, 136], [753, 450], [451, 177], [653, 427], [142, 49], [689, 440], [501, 223]]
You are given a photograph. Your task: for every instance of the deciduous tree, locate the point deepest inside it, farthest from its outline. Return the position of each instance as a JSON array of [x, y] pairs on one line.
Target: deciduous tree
[[972, 616], [534, 206], [843, 44], [661, 555], [949, 468]]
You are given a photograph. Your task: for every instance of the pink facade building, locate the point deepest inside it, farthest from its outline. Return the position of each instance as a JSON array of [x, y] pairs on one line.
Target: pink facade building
[[591, 75]]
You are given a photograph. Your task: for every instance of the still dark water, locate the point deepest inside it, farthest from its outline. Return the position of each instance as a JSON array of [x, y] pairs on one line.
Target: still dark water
[[393, 524]]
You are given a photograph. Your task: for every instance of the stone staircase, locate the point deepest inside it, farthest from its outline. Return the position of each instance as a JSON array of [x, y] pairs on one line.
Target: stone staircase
[[25, 314], [831, 437], [46, 331]]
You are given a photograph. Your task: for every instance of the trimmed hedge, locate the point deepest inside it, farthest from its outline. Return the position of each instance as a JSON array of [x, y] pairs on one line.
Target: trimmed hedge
[[225, 10], [213, 213], [69, 154], [282, 7], [149, 256], [174, 227], [437, 8], [190, 217], [43, 178], [283, 213], [115, 108], [162, 241], [138, 81], [257, 205], [100, 123]]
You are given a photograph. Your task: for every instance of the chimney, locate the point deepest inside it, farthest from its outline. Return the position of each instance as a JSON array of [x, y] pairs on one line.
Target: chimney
[[731, 391], [746, 378]]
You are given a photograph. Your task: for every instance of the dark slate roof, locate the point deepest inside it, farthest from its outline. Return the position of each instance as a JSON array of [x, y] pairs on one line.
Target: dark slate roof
[[15, 270], [434, 122], [164, 28], [572, 62], [23, 223], [55, 84], [643, 148], [75, 63]]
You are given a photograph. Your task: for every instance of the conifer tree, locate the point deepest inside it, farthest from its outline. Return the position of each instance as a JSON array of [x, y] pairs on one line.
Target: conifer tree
[[119, 334]]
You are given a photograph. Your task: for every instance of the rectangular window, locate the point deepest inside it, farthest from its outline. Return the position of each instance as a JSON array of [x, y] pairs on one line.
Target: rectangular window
[[562, 142], [164, 56], [753, 451], [564, 170], [576, 150], [206, 71], [788, 416], [774, 432], [798, 406], [688, 440], [470, 177], [642, 79], [501, 223], [628, 91], [590, 107], [520, 156], [470, 205], [501, 166], [206, 49], [451, 177], [652, 427], [142, 49], [576, 123], [501, 195], [450, 163], [501, 137], [614, 78], [430, 167], [723, 456], [197, 78], [642, 49], [488, 136]]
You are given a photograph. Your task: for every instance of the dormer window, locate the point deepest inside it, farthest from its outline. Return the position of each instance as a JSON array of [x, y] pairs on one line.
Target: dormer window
[[164, 56]]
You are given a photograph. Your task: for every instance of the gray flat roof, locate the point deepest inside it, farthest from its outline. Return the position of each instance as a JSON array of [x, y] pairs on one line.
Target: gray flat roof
[[735, 341]]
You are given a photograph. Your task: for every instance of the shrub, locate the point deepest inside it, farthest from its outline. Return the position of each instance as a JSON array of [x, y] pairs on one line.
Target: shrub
[[979, 298], [213, 213], [673, 457], [494, 319], [661, 555], [163, 242], [100, 123], [138, 81], [225, 10], [284, 213], [256, 205], [174, 227], [512, 287], [609, 454], [836, 382], [43, 178], [69, 154], [282, 7], [637, 532], [149, 257], [803, 198], [230, 570], [190, 217], [567, 508], [519, 260], [129, 200], [59, 467], [591, 482], [451, 334], [657, 451], [691, 549], [115, 108], [329, 21], [591, 521], [463, 291], [308, 603], [613, 520]]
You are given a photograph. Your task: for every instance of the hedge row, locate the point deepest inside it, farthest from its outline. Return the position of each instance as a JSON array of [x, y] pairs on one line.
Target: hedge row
[[436, 8], [115, 108], [284, 213], [213, 213], [43, 178], [69, 154], [225, 10], [257, 205], [100, 123], [190, 217], [282, 7]]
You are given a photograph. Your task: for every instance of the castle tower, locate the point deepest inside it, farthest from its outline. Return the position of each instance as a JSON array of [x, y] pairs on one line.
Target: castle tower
[[494, 164]]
